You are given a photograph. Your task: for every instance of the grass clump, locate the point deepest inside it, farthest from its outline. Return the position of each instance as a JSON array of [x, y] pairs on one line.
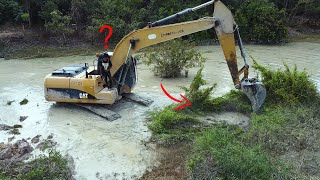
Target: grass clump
[[10, 102], [24, 101], [167, 119], [220, 149], [54, 166], [289, 87], [170, 126]]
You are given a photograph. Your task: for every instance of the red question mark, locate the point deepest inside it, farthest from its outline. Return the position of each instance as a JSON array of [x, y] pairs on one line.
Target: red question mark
[[108, 36]]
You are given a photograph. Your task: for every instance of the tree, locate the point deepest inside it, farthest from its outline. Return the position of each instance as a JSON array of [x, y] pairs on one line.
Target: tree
[[93, 29], [9, 9], [24, 18], [46, 9], [261, 22], [59, 24]]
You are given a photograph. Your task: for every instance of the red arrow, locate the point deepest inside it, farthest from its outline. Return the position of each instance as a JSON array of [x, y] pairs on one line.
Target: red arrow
[[185, 103]]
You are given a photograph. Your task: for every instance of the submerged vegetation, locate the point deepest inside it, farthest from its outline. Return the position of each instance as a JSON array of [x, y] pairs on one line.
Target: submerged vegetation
[[287, 123], [24, 101], [171, 58]]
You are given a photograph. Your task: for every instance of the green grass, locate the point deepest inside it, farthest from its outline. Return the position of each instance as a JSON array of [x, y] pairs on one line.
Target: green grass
[[235, 100], [4, 177], [168, 119], [314, 38], [232, 158], [49, 52], [53, 166]]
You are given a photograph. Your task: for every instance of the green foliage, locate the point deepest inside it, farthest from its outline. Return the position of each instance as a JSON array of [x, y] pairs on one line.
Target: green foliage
[[288, 87], [270, 120], [126, 18], [45, 51], [230, 158], [52, 167], [312, 8], [200, 97], [167, 119], [169, 59], [9, 9], [281, 128], [25, 17], [93, 28], [46, 10], [260, 21], [4, 177], [59, 23]]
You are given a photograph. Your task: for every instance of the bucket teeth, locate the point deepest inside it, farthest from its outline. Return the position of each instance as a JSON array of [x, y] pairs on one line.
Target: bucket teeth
[[255, 91]]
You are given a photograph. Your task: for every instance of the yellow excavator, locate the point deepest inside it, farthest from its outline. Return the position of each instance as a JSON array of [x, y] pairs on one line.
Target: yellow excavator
[[83, 84]]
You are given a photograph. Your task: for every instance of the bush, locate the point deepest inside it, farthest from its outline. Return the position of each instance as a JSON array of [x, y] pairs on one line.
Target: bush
[[169, 59], [260, 21], [200, 98], [288, 87]]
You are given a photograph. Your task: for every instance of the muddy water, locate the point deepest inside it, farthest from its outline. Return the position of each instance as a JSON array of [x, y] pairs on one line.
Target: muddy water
[[116, 149]]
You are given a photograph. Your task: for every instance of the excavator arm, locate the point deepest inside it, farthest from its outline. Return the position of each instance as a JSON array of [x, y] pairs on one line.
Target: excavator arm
[[146, 37], [161, 31]]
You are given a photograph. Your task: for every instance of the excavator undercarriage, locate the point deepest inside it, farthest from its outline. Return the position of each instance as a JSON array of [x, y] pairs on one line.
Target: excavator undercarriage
[[84, 85]]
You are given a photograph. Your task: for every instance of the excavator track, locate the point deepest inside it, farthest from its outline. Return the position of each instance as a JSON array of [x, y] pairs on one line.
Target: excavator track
[[100, 110], [104, 112], [138, 99]]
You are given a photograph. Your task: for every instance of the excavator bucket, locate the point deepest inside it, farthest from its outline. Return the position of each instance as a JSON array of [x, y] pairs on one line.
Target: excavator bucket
[[255, 91]]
